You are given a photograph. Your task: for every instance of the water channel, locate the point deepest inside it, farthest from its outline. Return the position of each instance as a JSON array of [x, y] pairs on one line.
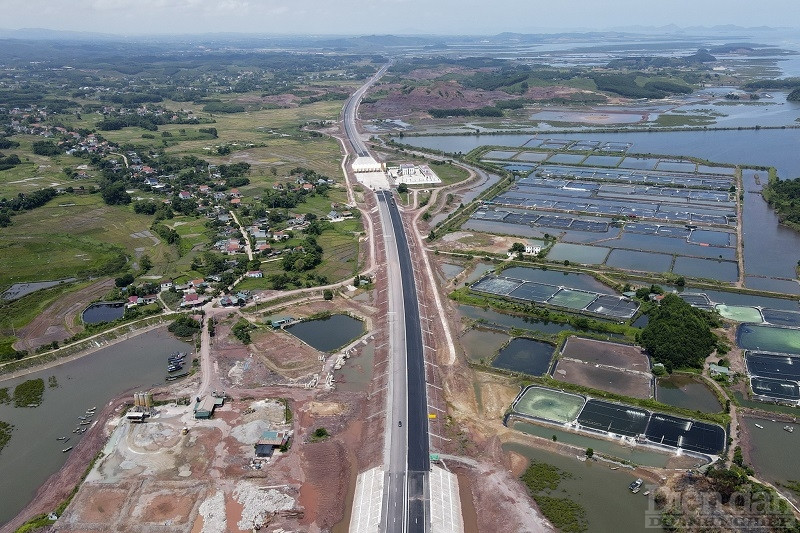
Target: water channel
[[33, 453]]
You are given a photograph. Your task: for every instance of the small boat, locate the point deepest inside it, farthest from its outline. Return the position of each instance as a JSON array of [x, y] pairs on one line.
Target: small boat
[[81, 418], [759, 426], [173, 377], [65, 450], [85, 423], [646, 493], [614, 467], [67, 439], [61, 438], [636, 486], [788, 428]]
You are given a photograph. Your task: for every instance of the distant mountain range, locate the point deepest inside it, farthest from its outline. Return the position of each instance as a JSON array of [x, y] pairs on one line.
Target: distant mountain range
[[390, 41]]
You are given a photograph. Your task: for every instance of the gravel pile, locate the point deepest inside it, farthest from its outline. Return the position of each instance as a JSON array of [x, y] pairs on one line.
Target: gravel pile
[[213, 512], [258, 504], [251, 432]]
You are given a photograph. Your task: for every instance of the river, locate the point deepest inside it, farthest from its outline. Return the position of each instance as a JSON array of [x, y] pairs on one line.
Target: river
[[33, 454]]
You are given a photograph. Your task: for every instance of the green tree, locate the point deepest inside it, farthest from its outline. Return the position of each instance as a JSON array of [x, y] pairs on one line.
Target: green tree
[[517, 248], [402, 188], [113, 193], [678, 335], [327, 294], [589, 452], [145, 263]]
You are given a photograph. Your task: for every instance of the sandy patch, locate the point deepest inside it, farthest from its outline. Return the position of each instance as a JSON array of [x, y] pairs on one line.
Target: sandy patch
[[326, 408]]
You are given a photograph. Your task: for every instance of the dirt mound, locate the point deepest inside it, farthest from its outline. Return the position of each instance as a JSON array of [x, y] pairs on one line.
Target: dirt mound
[[326, 467]]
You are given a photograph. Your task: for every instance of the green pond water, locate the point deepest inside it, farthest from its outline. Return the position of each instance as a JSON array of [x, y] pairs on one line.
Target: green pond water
[[740, 313], [768, 338], [598, 489]]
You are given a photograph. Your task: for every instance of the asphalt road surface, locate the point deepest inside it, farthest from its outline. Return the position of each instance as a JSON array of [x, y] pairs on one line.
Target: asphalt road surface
[[416, 426]]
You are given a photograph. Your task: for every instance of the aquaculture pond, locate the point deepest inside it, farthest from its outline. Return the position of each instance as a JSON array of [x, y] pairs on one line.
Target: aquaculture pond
[[525, 355], [687, 392], [770, 248], [328, 334], [103, 312], [482, 343], [33, 454], [596, 488], [768, 338], [558, 278]]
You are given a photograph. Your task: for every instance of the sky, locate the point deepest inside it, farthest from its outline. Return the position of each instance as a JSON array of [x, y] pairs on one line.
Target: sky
[[400, 17]]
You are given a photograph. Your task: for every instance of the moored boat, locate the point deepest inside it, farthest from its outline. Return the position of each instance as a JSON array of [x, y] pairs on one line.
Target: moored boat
[[636, 486]]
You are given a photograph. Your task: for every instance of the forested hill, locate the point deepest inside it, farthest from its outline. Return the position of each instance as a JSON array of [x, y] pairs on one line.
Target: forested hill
[[784, 197]]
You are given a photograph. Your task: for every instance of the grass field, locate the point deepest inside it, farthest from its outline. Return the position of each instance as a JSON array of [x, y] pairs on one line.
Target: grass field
[[38, 172], [20, 312], [71, 236]]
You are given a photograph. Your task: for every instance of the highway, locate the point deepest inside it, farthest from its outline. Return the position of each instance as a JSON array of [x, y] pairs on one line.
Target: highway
[[406, 502], [351, 109]]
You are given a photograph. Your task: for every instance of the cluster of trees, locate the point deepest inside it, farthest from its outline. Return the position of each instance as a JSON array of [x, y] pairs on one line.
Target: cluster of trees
[[784, 197], [133, 99], [169, 235], [148, 122], [643, 62], [233, 170], [783, 83], [31, 200], [47, 148], [184, 326], [305, 257], [23, 202], [679, 335], [149, 207], [464, 112], [6, 143], [241, 330], [10, 161], [626, 85], [113, 192]]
